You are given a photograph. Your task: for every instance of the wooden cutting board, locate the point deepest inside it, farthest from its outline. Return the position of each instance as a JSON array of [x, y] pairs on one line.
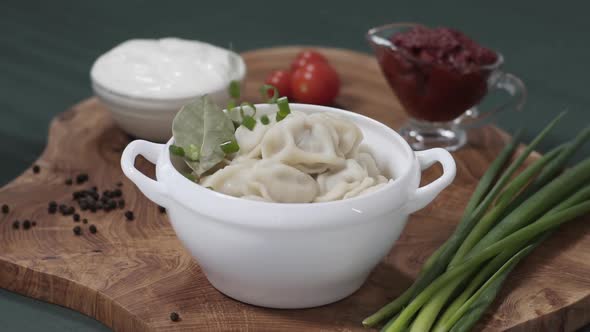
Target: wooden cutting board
[[132, 274]]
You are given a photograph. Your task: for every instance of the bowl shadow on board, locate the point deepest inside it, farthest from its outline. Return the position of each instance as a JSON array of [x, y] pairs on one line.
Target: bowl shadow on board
[[384, 284], [542, 261]]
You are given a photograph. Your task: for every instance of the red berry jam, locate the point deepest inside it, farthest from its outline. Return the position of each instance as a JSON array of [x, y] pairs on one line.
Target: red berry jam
[[437, 74]]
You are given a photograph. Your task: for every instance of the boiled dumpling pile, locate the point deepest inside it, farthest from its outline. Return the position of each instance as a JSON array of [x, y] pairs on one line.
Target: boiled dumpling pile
[[301, 159]]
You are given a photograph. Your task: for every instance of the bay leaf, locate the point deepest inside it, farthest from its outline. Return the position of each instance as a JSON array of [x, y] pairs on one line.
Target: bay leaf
[[202, 124]]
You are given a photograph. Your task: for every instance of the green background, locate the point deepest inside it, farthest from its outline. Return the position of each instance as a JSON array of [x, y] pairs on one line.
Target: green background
[[47, 48]]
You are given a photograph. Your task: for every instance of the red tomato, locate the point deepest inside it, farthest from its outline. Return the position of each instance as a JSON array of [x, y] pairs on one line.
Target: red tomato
[[305, 57], [315, 83], [280, 79]]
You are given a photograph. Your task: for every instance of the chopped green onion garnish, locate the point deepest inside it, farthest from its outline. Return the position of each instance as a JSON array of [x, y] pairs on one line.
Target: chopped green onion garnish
[[284, 108], [249, 122], [190, 177], [234, 89], [236, 124], [250, 105], [210, 188], [176, 150], [264, 119], [230, 147], [192, 153], [264, 92], [231, 105]]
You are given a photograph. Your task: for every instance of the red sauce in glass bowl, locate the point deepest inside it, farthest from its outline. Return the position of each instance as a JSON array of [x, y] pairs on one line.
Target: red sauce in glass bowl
[[437, 74]]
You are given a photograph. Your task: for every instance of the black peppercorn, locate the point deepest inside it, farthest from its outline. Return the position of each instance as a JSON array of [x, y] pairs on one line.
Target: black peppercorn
[[92, 208], [36, 169], [76, 217], [84, 221], [67, 211], [77, 230], [81, 178], [53, 203], [117, 193], [69, 182], [26, 224], [99, 205], [161, 209], [52, 209], [5, 209], [174, 316], [92, 229], [16, 224], [129, 215], [112, 204]]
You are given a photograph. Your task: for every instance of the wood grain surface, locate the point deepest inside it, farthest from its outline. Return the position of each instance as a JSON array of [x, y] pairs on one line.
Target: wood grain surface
[[132, 274]]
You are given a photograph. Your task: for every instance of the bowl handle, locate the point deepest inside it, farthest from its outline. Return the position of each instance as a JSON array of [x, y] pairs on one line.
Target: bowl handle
[[424, 195], [152, 189]]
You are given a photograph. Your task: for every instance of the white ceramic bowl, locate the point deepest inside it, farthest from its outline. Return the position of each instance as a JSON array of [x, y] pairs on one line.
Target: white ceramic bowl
[[293, 255], [151, 118]]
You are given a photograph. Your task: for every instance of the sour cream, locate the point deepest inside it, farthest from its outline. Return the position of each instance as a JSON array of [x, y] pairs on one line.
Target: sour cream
[[168, 68]]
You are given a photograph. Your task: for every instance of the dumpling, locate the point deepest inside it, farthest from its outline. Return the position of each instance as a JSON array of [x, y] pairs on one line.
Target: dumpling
[[263, 180], [358, 176], [281, 183], [349, 136], [230, 180], [308, 145], [249, 140], [301, 159], [335, 185]]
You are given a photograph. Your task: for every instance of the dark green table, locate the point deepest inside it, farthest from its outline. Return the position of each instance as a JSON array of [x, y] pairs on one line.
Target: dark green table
[[47, 48]]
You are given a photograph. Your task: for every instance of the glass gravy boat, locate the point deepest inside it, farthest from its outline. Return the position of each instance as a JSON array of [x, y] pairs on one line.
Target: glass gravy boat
[[441, 102]]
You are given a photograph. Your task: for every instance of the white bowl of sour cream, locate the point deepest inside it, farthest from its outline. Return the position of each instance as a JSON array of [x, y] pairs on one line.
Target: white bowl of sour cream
[[293, 255], [144, 82]]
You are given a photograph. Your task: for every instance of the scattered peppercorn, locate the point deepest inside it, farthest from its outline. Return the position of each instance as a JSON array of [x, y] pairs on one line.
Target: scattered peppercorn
[[76, 217], [92, 229], [33, 223], [69, 182], [117, 193], [121, 204], [174, 316], [112, 204], [84, 221], [66, 210], [36, 169], [81, 178], [162, 209], [129, 215], [26, 224], [16, 224], [5, 209], [77, 230], [119, 184]]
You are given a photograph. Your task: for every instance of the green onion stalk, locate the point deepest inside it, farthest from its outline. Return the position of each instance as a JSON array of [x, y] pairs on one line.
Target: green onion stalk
[[434, 265], [477, 206], [579, 197], [548, 197], [517, 239]]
